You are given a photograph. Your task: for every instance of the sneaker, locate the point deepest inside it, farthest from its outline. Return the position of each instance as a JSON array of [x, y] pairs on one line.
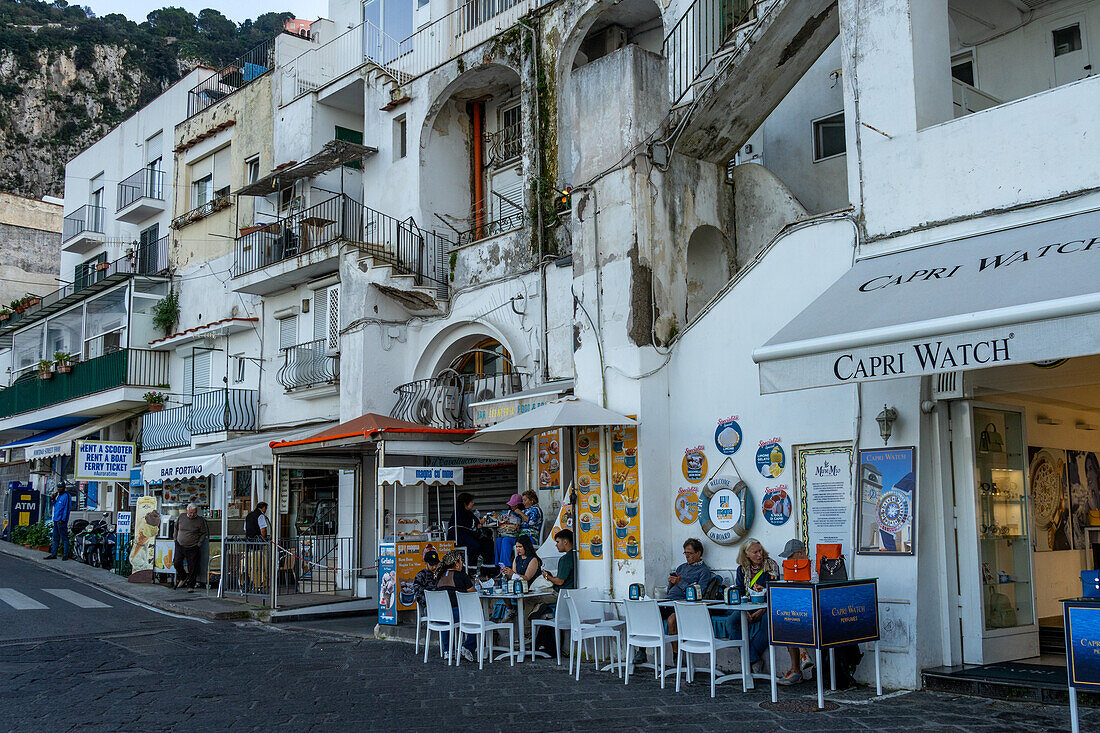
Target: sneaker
[[793, 677], [50, 557], [757, 667], [804, 659], [468, 655], [808, 673], [640, 657]]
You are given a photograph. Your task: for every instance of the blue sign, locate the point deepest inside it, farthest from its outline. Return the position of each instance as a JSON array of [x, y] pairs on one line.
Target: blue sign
[[770, 459], [26, 504], [847, 612], [791, 620], [1082, 620], [136, 481], [387, 584], [727, 436]]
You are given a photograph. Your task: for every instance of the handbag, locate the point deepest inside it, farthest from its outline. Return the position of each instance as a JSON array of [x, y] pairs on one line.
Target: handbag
[[832, 570], [796, 569], [990, 441], [827, 549]]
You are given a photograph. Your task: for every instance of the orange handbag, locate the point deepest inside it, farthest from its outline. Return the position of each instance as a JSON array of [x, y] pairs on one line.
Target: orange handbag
[[797, 569], [829, 550]]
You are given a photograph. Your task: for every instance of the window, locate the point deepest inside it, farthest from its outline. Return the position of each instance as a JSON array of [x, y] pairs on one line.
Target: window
[[286, 198], [326, 317], [511, 132], [964, 71], [351, 136], [400, 149], [486, 357], [202, 191], [238, 369], [1066, 40], [252, 170], [288, 332], [829, 137], [105, 323]]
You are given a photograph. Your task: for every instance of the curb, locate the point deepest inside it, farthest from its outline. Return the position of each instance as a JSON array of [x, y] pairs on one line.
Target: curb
[[118, 585]]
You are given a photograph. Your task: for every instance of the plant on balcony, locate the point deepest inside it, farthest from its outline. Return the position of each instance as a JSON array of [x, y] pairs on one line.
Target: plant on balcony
[[155, 400], [45, 369], [64, 362], [102, 266], [17, 306], [5, 314], [166, 313]]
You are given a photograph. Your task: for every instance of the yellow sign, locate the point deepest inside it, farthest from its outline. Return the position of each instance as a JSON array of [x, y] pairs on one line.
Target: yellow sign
[[626, 520], [589, 505]]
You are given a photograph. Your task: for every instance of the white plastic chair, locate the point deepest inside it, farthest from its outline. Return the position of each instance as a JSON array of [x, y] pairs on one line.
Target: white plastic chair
[[471, 622], [440, 619], [695, 635], [580, 630], [645, 630], [559, 623], [421, 620]]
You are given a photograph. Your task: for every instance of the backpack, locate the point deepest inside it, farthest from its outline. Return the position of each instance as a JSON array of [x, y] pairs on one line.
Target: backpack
[[847, 659]]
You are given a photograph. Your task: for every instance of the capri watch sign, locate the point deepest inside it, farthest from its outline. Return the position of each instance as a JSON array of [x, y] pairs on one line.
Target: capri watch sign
[[725, 509]]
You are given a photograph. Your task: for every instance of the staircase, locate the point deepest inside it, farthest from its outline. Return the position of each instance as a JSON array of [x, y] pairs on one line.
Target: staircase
[[404, 262], [731, 62]]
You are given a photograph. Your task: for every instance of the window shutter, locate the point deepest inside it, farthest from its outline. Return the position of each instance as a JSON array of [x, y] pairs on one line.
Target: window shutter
[[188, 381], [202, 370], [320, 315], [221, 169], [334, 318], [153, 149], [288, 332]]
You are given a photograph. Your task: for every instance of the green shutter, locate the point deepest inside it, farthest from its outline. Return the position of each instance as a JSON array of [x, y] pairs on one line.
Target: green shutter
[[351, 136]]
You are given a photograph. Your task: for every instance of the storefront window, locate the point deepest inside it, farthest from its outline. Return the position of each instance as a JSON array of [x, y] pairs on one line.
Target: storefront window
[[27, 349], [242, 493], [64, 332], [105, 324], [1003, 526]]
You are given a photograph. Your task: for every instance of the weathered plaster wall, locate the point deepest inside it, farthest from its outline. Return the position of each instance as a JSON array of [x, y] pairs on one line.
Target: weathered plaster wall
[[30, 240]]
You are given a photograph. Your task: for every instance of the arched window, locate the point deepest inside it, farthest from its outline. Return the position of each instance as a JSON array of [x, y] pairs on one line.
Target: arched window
[[485, 357]]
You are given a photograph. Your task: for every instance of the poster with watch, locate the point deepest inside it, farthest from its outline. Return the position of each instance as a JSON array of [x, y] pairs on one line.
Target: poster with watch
[[887, 501]]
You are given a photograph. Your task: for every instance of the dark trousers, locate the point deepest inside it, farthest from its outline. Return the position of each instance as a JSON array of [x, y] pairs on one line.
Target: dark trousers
[[190, 556], [476, 547], [60, 535]]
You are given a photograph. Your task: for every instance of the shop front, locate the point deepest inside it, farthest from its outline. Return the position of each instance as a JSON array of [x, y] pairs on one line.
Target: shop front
[[982, 353]]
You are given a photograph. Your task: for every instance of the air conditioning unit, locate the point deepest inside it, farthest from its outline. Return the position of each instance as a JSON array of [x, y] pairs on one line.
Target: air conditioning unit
[[425, 411], [948, 386]]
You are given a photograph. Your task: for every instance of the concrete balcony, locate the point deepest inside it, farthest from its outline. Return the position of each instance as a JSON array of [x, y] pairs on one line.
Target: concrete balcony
[[210, 413], [141, 196], [82, 230]]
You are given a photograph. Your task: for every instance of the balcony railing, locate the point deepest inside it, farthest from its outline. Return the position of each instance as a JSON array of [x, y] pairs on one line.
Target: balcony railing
[[323, 65], [147, 183], [503, 146], [509, 217], [220, 201], [214, 411], [87, 218], [236, 75], [123, 368], [308, 365], [445, 401], [150, 259], [701, 31]]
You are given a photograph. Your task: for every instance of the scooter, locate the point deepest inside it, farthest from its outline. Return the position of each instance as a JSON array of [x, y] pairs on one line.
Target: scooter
[[94, 544]]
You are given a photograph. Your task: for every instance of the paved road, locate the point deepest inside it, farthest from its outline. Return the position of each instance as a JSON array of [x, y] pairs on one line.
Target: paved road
[[126, 667]]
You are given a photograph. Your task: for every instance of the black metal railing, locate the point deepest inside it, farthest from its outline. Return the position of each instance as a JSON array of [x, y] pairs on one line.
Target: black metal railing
[[445, 401], [308, 365], [219, 410], [509, 218], [701, 31], [246, 567], [147, 183], [149, 259], [405, 246], [220, 201], [87, 218], [316, 564], [168, 428], [504, 145], [241, 72], [336, 218]]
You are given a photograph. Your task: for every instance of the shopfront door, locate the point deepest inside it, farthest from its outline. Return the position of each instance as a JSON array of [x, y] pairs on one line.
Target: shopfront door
[[996, 594]]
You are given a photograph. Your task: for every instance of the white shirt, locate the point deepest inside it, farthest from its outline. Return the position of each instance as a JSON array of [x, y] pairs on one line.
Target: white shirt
[[261, 521]]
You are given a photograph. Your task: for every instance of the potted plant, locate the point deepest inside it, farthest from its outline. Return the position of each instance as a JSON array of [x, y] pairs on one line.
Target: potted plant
[[32, 300], [36, 536], [102, 266], [45, 369], [155, 400], [64, 362], [5, 314], [17, 306]]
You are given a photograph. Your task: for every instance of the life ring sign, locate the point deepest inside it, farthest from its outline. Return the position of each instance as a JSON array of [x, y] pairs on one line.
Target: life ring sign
[[725, 509]]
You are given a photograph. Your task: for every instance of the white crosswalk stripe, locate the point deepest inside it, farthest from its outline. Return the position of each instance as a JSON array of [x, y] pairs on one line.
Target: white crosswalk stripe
[[75, 598], [18, 601]]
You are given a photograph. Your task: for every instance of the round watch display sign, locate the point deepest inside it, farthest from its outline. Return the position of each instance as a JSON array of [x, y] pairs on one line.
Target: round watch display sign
[[893, 510], [725, 509]]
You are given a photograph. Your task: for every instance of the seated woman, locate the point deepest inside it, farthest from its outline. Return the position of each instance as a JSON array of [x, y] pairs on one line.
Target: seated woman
[[755, 569], [527, 565], [530, 517], [467, 531], [454, 580]]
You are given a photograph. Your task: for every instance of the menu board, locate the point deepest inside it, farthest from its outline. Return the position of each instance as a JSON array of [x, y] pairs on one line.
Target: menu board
[[549, 444], [410, 561], [187, 491], [825, 500], [626, 521], [589, 501]]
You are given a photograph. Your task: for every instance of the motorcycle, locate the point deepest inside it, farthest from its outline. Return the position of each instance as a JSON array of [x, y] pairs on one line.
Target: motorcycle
[[94, 543]]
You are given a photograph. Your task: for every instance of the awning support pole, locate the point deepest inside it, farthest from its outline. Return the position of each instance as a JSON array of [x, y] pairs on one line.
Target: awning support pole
[[276, 491], [228, 482]]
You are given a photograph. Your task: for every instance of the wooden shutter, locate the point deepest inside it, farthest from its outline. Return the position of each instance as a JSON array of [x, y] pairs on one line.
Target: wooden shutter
[[288, 332]]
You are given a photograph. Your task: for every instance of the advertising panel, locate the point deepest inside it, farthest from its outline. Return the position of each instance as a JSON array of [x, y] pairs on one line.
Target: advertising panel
[[549, 446], [147, 523], [410, 561], [589, 502], [387, 584], [791, 619], [98, 460], [1082, 619], [887, 501], [26, 504], [847, 612], [825, 496], [626, 521]]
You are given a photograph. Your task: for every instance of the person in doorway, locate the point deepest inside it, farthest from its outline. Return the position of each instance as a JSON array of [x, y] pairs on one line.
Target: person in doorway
[[526, 565], [255, 524], [755, 569], [467, 531], [530, 516], [191, 533], [426, 579], [801, 667], [62, 505], [454, 580]]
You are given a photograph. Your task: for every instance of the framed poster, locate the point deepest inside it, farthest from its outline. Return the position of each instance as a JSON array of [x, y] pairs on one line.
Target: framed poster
[[825, 495], [887, 501]]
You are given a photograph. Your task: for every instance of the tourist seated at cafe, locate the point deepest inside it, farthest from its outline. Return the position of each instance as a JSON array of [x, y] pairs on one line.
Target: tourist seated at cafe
[[801, 666], [688, 573], [508, 530], [526, 565], [530, 517], [426, 579], [467, 532], [454, 580], [755, 569], [564, 578]]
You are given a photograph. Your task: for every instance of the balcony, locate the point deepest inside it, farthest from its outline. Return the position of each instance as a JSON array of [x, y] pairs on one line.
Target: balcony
[[122, 368], [445, 401], [82, 230], [141, 196], [236, 75], [149, 260], [309, 365], [218, 203], [212, 412]]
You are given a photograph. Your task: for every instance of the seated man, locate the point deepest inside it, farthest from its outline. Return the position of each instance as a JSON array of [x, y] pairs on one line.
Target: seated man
[[688, 573], [564, 578]]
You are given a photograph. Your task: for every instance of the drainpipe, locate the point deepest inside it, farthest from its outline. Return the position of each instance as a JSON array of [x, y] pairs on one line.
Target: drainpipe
[[477, 117]]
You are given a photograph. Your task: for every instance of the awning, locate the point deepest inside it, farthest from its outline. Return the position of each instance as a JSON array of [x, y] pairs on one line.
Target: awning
[[365, 426], [412, 475], [62, 444], [332, 155], [1019, 295], [567, 412], [213, 459], [34, 439]]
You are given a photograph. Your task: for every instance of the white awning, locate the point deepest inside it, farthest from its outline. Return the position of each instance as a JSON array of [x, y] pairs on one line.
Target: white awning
[[62, 445], [1014, 296], [567, 412], [213, 459], [412, 475]]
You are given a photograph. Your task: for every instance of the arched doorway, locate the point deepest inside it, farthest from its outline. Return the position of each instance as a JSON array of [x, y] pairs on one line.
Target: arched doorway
[[708, 268]]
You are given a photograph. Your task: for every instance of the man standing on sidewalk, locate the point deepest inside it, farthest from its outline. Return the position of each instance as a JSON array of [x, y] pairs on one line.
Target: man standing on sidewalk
[[62, 503], [191, 532]]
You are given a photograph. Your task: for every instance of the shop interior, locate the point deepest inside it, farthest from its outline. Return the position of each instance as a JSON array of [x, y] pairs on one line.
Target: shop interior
[[1036, 447]]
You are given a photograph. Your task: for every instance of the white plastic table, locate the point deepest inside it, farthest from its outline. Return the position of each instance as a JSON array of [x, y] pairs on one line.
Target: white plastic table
[[520, 615]]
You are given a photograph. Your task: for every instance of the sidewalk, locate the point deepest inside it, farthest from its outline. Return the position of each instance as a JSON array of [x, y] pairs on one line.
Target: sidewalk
[[197, 604]]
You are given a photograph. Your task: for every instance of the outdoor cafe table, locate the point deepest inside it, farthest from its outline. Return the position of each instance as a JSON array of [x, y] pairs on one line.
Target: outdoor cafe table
[[520, 615], [745, 609]]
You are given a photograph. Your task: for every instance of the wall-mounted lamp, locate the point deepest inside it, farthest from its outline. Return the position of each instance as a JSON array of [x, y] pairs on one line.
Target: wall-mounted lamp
[[885, 420], [1044, 420]]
